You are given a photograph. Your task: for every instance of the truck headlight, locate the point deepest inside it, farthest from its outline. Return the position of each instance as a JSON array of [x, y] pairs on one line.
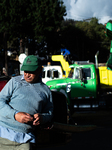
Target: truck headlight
[[68, 88]]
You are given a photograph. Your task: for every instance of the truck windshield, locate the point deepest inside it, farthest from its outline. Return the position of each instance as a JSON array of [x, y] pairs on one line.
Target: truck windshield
[[77, 73], [49, 73], [71, 73], [56, 74]]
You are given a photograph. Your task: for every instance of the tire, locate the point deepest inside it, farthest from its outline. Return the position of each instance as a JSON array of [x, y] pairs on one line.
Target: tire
[[60, 107]]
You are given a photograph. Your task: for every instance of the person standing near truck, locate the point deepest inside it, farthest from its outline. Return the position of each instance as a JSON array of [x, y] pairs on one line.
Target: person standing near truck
[[25, 102]]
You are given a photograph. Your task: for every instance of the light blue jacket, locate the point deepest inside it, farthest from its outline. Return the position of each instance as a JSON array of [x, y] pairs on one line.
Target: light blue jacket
[[19, 95]]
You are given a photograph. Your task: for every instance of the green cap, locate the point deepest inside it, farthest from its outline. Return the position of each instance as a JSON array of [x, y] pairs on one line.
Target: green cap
[[31, 63]]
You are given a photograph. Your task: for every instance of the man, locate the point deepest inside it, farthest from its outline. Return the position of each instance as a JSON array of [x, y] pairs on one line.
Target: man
[[25, 102]]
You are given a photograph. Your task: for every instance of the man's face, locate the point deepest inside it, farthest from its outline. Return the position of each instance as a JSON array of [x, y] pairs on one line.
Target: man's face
[[32, 76]]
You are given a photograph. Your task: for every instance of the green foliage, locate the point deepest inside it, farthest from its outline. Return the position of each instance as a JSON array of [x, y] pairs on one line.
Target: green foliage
[[30, 18], [48, 16], [42, 20], [84, 39]]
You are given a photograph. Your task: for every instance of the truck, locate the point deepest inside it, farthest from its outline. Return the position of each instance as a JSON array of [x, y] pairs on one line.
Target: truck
[[80, 87], [51, 72], [55, 71], [88, 85]]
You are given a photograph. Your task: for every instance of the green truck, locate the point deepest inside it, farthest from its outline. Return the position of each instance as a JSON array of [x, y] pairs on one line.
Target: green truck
[[80, 87], [85, 86]]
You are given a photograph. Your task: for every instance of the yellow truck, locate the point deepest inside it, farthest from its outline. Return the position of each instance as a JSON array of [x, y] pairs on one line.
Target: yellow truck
[[105, 77]]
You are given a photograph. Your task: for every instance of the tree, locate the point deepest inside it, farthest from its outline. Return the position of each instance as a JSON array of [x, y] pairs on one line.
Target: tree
[[13, 21], [37, 19], [48, 17], [84, 39]]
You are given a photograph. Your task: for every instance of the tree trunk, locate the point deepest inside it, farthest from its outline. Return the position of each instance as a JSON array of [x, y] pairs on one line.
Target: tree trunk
[[5, 52], [21, 46]]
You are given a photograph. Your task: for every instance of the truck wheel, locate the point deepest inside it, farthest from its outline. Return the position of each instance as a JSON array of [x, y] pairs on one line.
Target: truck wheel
[[60, 107]]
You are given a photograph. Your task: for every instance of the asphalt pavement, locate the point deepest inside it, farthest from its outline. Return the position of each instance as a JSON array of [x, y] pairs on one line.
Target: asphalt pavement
[[98, 138]]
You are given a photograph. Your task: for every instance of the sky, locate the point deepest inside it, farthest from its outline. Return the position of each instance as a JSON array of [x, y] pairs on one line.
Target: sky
[[85, 9]]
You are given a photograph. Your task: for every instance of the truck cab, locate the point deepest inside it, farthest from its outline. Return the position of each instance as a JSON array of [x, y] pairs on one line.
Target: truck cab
[[83, 81], [80, 87], [51, 72]]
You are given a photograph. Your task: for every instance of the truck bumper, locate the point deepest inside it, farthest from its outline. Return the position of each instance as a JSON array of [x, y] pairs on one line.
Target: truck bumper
[[85, 103]]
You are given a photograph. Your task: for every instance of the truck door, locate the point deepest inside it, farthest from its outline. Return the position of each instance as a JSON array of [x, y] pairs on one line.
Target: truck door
[[82, 87]]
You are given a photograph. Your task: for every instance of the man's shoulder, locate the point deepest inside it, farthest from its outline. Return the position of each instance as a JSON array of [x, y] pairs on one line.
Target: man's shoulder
[[17, 78], [45, 86]]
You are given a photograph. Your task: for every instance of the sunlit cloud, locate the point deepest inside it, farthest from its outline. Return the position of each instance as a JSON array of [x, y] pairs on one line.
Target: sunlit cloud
[[84, 9]]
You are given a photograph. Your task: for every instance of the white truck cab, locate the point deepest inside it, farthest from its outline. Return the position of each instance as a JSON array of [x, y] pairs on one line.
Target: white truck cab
[[51, 72]]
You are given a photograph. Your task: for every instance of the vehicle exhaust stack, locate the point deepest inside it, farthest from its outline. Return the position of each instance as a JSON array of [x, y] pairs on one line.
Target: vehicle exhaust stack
[[96, 59]]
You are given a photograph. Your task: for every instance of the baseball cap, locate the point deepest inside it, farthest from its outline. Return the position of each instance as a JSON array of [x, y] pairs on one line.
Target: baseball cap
[[31, 63]]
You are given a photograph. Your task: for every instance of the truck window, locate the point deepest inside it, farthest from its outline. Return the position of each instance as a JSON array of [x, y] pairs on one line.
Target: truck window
[[56, 74], [71, 73], [77, 73], [43, 74], [86, 73], [49, 73]]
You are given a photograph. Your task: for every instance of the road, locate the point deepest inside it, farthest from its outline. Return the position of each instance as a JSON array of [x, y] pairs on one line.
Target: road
[[99, 138]]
